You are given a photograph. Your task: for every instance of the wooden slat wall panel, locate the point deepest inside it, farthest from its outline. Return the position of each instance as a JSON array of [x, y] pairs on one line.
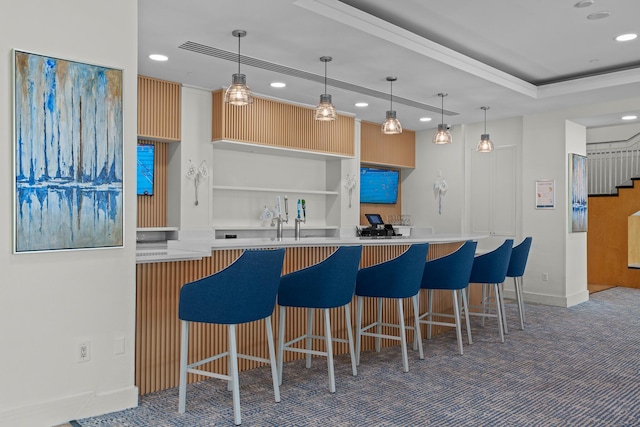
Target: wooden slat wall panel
[[278, 124], [158, 327], [387, 150], [158, 109], [152, 210]]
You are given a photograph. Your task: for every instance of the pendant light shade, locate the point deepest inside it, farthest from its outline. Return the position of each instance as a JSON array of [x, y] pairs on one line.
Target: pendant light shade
[[325, 111], [238, 93], [485, 145], [391, 125], [442, 136]]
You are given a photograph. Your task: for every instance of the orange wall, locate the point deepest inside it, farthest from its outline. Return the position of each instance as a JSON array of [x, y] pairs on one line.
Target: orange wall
[[607, 239]]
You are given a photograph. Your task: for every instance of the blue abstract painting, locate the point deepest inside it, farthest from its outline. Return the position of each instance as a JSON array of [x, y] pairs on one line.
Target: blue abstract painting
[[578, 193], [68, 154]]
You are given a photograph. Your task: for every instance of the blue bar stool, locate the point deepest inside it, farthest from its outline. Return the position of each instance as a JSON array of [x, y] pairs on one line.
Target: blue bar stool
[[450, 272], [328, 284], [491, 269], [517, 265], [243, 292], [397, 279]]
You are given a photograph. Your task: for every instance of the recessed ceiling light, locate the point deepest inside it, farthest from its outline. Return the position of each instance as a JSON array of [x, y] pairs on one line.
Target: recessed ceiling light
[[599, 15], [361, 104], [425, 119], [278, 84], [158, 57], [629, 117], [626, 37], [584, 3], [593, 61]]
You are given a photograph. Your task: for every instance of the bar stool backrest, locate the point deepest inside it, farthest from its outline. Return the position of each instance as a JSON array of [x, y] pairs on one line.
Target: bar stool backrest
[[519, 256], [243, 292], [396, 278], [327, 284], [492, 267], [450, 271]]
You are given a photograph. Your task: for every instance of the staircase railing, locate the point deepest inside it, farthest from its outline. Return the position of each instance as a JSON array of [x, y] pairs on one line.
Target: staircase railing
[[609, 167]]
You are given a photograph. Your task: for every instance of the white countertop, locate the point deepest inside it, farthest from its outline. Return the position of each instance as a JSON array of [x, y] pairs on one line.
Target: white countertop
[[189, 250]]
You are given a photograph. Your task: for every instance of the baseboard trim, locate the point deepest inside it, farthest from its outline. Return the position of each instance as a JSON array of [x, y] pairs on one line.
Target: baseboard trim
[[554, 300], [64, 409]]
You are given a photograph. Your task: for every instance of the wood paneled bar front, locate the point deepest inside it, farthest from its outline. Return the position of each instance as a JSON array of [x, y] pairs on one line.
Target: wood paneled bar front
[[158, 284]]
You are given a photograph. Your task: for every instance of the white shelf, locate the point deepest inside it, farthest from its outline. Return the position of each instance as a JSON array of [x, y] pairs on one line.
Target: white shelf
[[274, 190], [277, 151]]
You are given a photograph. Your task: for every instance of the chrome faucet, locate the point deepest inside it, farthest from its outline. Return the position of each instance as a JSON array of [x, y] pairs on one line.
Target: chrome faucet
[[279, 220], [302, 209]]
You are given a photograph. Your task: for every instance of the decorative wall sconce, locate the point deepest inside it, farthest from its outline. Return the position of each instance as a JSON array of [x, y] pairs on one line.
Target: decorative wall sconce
[[350, 184], [197, 175]]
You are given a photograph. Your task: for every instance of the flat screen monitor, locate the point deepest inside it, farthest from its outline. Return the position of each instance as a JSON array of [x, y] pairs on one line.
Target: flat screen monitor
[[145, 169], [379, 185], [374, 219]]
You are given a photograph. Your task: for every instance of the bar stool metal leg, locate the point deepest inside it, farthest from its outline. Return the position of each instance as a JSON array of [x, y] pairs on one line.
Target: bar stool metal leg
[[359, 330], [233, 367], [403, 337], [329, 344], [184, 344], [272, 358], [347, 315], [309, 337]]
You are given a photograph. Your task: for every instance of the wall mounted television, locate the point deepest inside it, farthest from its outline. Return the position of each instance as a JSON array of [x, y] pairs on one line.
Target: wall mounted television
[[145, 169], [379, 185]]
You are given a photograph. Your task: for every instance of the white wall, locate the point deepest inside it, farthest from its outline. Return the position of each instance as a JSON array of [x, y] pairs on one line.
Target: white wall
[[612, 133], [418, 197], [543, 143], [195, 147], [576, 252], [51, 301]]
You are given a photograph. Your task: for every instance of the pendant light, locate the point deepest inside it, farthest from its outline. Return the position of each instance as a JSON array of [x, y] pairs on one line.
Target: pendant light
[[485, 145], [325, 111], [238, 93], [391, 125], [442, 136]]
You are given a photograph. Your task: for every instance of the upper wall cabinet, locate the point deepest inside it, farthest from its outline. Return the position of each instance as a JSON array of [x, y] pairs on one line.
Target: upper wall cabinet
[[387, 150], [158, 110], [277, 124]]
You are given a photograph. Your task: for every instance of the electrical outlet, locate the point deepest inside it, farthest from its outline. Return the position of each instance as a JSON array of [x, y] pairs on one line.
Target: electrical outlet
[[545, 277], [84, 352]]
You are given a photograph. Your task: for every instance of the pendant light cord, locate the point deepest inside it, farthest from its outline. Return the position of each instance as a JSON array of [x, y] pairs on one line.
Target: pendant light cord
[[325, 77], [442, 110], [485, 120], [391, 97], [239, 37]]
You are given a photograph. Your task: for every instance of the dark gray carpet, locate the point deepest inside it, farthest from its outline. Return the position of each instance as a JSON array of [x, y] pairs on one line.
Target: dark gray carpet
[[569, 367]]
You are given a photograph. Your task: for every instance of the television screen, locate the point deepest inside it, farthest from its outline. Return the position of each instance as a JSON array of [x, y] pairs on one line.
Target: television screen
[[378, 185], [145, 169]]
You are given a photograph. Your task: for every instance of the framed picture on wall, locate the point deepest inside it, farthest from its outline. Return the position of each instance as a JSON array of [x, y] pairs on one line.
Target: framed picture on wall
[[545, 194], [68, 154], [578, 193]]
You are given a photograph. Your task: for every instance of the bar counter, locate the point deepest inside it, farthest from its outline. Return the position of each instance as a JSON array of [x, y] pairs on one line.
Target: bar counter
[[161, 272]]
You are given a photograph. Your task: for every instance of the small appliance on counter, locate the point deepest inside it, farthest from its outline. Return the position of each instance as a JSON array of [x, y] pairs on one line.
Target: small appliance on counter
[[377, 228]]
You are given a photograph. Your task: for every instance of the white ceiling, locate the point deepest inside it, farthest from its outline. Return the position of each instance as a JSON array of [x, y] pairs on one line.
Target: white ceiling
[[517, 57]]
